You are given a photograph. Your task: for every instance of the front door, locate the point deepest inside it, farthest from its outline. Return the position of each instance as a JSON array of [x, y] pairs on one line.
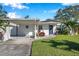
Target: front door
[[50, 29], [14, 31]]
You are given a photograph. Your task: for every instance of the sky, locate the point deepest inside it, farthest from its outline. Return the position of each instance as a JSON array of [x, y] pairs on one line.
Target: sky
[[40, 11]]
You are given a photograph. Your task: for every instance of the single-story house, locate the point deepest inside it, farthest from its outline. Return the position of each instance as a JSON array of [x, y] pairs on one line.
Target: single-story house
[[29, 28]]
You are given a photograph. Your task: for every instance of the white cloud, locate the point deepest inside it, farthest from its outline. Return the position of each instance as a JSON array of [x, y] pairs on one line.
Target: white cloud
[[50, 11], [16, 5], [45, 11], [67, 4], [13, 15]]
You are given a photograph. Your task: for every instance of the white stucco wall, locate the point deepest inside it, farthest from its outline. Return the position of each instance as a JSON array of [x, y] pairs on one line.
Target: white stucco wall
[[13, 29], [6, 35], [22, 30], [46, 29]]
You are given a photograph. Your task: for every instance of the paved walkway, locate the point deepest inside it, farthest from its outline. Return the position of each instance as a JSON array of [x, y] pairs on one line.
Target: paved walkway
[[16, 47]]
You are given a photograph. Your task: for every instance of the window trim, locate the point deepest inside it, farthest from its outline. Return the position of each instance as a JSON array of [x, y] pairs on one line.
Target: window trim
[[27, 26]]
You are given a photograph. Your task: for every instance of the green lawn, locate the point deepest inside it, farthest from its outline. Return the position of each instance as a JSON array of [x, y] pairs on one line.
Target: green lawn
[[61, 45]]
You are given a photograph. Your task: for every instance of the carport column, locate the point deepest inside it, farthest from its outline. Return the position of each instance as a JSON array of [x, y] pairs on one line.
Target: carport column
[[54, 30], [35, 32]]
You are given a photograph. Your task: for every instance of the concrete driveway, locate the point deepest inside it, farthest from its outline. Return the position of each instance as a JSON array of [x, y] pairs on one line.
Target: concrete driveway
[[16, 47]]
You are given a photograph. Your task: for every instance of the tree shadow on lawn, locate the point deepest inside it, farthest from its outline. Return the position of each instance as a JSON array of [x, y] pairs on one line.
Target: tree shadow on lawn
[[64, 44]]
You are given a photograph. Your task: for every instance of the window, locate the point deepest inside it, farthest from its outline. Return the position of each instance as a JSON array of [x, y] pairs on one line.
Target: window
[[27, 26], [40, 27]]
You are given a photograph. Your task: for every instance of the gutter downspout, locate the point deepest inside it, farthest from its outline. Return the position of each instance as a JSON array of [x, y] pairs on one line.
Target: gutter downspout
[[35, 29]]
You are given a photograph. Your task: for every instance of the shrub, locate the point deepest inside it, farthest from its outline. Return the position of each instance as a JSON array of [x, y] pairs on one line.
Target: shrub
[[40, 34]]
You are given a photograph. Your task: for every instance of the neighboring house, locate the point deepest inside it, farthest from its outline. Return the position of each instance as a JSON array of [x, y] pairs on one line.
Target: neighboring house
[[29, 28]]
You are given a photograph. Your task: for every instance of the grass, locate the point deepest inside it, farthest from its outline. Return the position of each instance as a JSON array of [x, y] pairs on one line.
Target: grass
[[61, 45]]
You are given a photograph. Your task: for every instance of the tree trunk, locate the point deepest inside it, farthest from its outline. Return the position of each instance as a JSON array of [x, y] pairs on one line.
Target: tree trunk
[[72, 32], [76, 31]]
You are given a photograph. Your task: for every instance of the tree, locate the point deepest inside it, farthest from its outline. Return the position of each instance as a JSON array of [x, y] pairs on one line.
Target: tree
[[26, 17], [69, 17], [3, 22]]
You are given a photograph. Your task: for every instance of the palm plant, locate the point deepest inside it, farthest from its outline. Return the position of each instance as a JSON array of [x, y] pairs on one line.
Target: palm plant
[[68, 16]]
